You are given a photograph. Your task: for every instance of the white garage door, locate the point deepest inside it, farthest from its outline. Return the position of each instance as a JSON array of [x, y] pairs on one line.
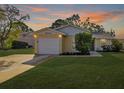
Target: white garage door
[[48, 46]]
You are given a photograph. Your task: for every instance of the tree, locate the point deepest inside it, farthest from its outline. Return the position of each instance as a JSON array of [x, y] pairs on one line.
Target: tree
[[76, 21], [87, 25], [112, 32], [83, 42], [58, 23], [2, 13], [73, 20], [117, 46], [92, 27], [12, 36], [13, 19]]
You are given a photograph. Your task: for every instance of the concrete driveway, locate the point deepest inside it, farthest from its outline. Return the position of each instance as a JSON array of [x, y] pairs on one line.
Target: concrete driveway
[[12, 65]]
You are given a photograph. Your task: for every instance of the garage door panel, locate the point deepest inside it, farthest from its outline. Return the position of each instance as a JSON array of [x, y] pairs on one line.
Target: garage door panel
[[48, 46]]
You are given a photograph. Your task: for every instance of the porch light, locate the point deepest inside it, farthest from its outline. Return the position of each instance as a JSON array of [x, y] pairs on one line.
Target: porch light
[[103, 40], [60, 36], [35, 36]]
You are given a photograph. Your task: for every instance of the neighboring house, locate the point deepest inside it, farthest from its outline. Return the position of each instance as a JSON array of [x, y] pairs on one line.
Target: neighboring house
[[102, 39], [122, 41], [27, 37], [62, 39]]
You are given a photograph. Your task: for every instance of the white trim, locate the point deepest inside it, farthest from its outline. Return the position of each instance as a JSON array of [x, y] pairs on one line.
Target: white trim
[[49, 29]]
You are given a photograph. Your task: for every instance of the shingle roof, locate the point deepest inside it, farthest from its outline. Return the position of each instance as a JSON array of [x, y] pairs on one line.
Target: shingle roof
[[59, 30], [103, 35], [69, 29], [67, 26], [47, 28]]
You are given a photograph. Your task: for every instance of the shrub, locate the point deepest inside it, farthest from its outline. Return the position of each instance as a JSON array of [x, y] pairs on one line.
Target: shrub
[[75, 53], [107, 48], [83, 42], [19, 45], [117, 46]]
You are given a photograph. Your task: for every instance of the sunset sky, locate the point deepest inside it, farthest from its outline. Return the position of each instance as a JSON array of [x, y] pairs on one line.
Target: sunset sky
[[110, 16]]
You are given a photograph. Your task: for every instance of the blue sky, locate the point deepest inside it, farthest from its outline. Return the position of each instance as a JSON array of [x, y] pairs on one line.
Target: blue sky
[[42, 15]]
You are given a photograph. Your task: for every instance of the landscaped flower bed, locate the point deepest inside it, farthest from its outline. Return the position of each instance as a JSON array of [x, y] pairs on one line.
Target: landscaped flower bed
[[75, 53]]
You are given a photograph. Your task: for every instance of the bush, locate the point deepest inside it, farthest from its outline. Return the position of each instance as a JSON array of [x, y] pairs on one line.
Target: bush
[[107, 48], [83, 42], [117, 46], [75, 53], [19, 45], [84, 49]]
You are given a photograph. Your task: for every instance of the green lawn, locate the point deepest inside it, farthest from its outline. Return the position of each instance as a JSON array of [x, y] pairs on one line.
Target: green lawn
[[73, 72], [16, 51]]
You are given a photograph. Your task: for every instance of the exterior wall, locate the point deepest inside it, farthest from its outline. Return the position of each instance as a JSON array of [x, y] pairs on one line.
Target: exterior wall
[[100, 42], [122, 41], [36, 46], [68, 44], [46, 34], [60, 45]]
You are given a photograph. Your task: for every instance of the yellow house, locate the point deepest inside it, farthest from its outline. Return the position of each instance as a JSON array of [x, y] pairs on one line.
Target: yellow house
[[62, 39], [101, 39], [122, 41]]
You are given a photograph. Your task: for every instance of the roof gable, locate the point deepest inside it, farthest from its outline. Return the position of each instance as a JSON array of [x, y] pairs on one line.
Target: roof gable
[[69, 30], [48, 31], [102, 35]]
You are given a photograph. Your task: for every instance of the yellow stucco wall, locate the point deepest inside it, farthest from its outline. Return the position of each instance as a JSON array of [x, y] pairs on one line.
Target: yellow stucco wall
[[122, 41], [36, 46], [68, 44], [101, 42], [47, 35]]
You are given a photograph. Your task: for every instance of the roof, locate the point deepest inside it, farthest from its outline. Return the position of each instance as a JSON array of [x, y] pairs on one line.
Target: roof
[[120, 39], [103, 35], [69, 29], [47, 28], [65, 30], [67, 26], [26, 33]]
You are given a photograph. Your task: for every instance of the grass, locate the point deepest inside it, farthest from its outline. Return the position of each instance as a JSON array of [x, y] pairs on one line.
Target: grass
[[16, 51], [73, 72]]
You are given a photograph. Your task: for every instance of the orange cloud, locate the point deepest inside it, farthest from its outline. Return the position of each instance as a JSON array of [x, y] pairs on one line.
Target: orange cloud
[[39, 9], [42, 18], [36, 9], [98, 17]]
